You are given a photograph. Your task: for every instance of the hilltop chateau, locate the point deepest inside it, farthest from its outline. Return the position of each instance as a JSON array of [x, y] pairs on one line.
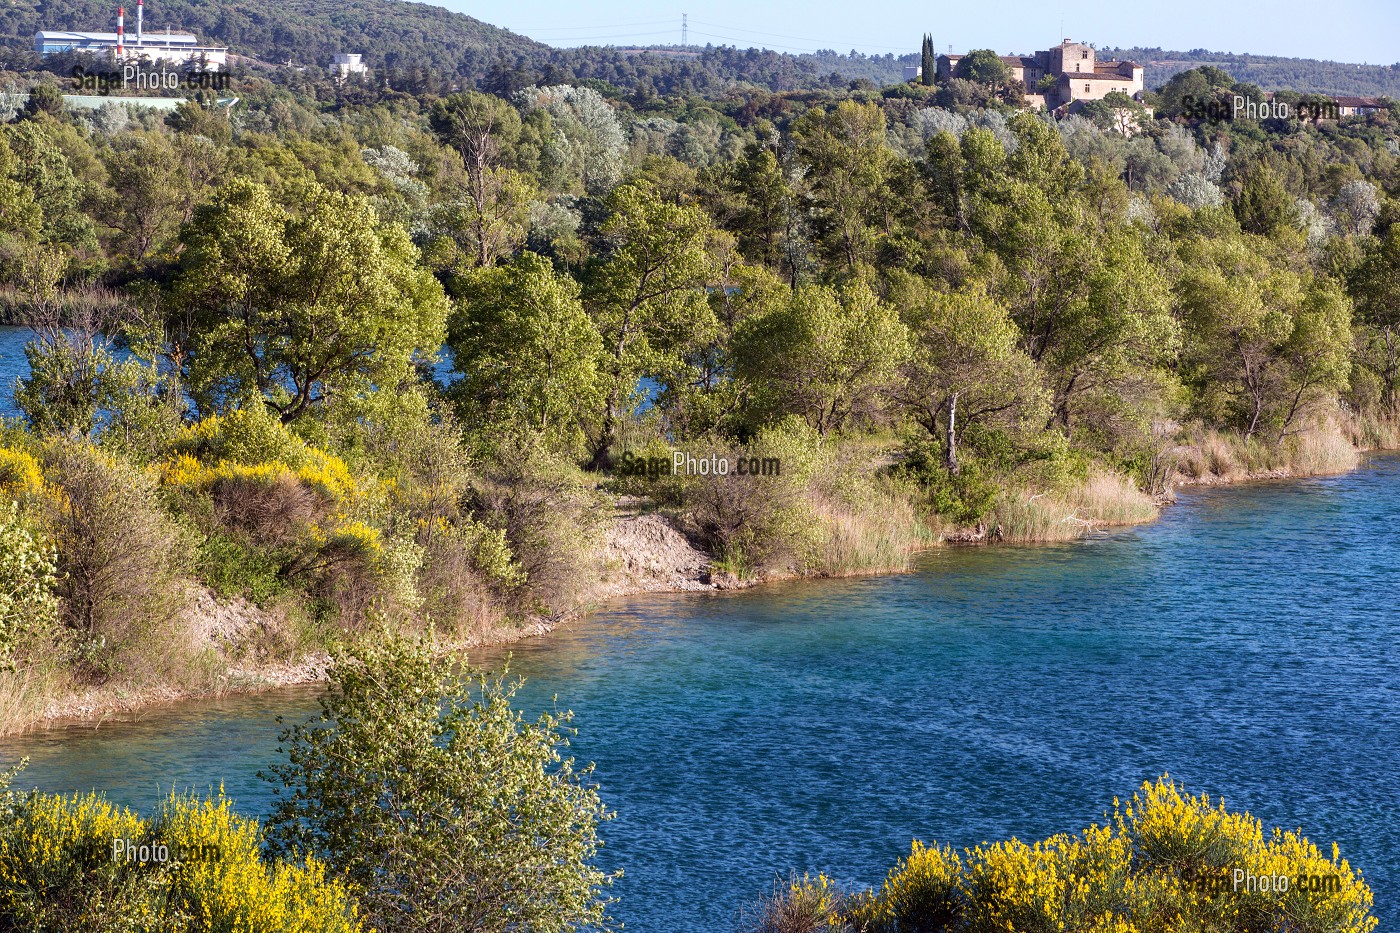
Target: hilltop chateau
[[1076, 73]]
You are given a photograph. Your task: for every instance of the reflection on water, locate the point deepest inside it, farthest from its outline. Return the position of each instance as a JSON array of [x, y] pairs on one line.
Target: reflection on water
[[1246, 644]]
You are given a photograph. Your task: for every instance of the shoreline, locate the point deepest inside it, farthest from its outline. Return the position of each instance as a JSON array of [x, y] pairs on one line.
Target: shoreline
[[643, 553]]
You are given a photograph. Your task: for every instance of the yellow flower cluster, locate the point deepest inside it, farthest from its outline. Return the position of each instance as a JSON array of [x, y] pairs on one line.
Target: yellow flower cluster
[[22, 478], [356, 537], [65, 865], [325, 473], [1166, 863]]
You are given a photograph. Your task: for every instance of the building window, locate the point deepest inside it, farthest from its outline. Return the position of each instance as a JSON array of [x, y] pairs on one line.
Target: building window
[[1086, 89], [1084, 54]]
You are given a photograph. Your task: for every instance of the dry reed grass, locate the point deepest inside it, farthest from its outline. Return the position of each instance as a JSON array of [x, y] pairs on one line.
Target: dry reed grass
[[1103, 499]]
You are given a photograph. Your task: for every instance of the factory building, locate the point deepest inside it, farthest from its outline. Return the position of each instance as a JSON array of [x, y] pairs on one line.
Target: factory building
[[176, 48]]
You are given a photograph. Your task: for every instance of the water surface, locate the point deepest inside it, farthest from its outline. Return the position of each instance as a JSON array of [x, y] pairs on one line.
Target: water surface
[[1246, 644]]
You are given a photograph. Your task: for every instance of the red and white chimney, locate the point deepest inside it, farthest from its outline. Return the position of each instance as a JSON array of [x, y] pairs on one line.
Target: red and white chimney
[[140, 16], [121, 29]]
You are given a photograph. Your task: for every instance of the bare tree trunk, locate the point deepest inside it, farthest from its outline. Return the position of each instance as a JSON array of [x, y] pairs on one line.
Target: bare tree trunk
[[952, 449]]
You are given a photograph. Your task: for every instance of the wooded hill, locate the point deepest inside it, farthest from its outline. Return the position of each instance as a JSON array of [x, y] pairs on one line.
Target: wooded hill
[[1270, 72]]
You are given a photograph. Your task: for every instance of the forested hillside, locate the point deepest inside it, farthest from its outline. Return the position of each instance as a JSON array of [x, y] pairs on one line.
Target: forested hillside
[[390, 34], [420, 46], [1271, 72]]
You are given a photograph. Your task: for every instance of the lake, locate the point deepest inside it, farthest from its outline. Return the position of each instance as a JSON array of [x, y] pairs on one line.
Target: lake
[[1246, 644]]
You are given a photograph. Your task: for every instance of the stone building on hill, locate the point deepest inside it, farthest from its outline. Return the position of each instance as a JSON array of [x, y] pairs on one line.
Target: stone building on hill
[[1074, 69]]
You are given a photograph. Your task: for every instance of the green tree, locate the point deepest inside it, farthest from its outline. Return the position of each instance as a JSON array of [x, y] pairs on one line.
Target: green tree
[[301, 307], [767, 219], [648, 296], [1375, 285], [440, 804], [982, 66], [43, 168], [20, 218], [1115, 111], [928, 62], [45, 100], [1120, 329], [527, 351], [826, 354], [155, 182], [1263, 344], [967, 367], [481, 127], [848, 164], [486, 222], [1264, 205]]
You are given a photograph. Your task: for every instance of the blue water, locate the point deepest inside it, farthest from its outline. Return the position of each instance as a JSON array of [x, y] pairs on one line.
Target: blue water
[[13, 364], [1246, 643]]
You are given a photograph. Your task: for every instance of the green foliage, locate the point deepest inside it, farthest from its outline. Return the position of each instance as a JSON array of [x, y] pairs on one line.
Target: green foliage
[[61, 869], [756, 522], [849, 164], [983, 66], [647, 298], [302, 308], [233, 568], [1165, 861], [527, 352], [828, 355], [29, 608], [1264, 206], [928, 62], [437, 802]]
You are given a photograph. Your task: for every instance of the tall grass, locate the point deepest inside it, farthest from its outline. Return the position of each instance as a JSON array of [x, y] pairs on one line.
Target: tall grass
[[1103, 499], [1208, 455], [878, 536], [25, 695], [1372, 430]]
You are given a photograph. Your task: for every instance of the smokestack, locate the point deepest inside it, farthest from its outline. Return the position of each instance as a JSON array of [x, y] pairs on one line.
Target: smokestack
[[121, 29], [140, 15]]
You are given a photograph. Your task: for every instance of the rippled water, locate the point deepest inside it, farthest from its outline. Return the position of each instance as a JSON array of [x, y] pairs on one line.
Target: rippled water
[[12, 365], [1246, 643]]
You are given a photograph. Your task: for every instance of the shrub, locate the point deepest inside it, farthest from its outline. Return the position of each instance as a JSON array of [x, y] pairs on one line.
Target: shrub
[[122, 564], [469, 574], [232, 568], [550, 518], [60, 871], [758, 523], [21, 477], [803, 905], [1165, 861], [29, 609], [441, 805], [921, 893]]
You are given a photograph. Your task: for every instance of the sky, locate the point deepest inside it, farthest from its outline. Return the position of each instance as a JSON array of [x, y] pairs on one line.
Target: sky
[[1361, 31]]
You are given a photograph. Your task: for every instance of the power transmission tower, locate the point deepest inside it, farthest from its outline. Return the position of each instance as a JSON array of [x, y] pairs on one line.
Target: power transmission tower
[[685, 29]]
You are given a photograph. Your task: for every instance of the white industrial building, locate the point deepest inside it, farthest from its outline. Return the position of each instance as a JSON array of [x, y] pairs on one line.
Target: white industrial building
[[347, 64], [179, 48]]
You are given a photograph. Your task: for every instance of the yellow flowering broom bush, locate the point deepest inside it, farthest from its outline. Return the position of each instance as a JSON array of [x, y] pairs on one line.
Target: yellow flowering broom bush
[[78, 863], [1166, 862], [282, 511]]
